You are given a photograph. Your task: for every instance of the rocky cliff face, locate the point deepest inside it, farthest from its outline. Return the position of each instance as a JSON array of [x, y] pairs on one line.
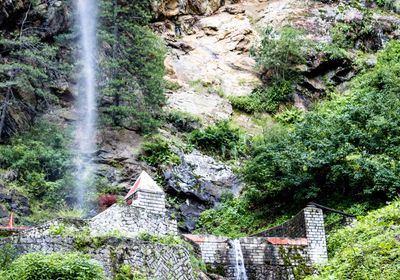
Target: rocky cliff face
[[208, 59], [44, 22], [172, 8]]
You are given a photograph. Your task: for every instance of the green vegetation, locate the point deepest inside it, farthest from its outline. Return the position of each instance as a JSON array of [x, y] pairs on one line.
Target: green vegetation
[[221, 140], [206, 86], [393, 5], [157, 152], [368, 250], [125, 273], [264, 99], [346, 147], [53, 266], [279, 51], [42, 161], [232, 218], [170, 240], [182, 121], [134, 92], [28, 76], [277, 55], [343, 154], [8, 254]]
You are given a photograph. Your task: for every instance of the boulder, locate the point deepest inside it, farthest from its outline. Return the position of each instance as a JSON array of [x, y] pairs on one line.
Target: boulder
[[14, 201], [201, 181]]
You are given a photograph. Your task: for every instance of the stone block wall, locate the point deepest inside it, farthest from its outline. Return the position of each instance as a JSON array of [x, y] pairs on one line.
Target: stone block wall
[[152, 201], [132, 219], [315, 234], [262, 259], [309, 224], [274, 253], [294, 228], [156, 260]]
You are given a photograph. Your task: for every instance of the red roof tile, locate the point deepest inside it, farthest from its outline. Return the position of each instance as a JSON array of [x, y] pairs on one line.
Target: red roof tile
[[287, 241]]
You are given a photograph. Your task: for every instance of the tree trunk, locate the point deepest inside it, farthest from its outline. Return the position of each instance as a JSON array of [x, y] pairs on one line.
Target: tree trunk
[[4, 112], [116, 97]]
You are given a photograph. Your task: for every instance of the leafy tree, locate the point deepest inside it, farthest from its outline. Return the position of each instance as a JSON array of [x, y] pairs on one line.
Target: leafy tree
[[346, 148], [277, 54], [279, 51], [42, 161], [133, 68]]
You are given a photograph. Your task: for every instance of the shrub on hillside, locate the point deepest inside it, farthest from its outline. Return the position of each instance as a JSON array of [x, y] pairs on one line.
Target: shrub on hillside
[[220, 139], [53, 266], [42, 161], [157, 152], [368, 250]]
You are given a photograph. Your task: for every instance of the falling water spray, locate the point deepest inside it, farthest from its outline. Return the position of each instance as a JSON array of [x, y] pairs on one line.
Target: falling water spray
[[85, 133]]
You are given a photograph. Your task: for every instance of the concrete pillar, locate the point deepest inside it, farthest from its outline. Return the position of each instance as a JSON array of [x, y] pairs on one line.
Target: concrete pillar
[[315, 233]]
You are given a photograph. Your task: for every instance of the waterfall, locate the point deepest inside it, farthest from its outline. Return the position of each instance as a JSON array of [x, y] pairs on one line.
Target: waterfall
[[240, 270], [85, 131]]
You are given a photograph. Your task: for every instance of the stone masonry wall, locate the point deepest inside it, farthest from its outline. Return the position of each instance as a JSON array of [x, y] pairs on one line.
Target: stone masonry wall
[[315, 233], [132, 219], [151, 201], [262, 260], [294, 228], [272, 254], [159, 261], [309, 224]]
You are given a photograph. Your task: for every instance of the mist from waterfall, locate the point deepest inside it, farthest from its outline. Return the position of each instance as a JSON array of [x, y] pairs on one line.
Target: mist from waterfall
[[86, 104]]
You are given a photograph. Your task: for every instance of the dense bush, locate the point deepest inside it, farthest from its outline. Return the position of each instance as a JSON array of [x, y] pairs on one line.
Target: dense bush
[[157, 152], [231, 218], [183, 122], [125, 273], [276, 55], [8, 254], [220, 139], [368, 250], [393, 5], [53, 266], [265, 98], [346, 149], [42, 161]]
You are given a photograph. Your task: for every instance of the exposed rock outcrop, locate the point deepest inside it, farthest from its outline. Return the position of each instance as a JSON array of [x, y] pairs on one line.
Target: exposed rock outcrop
[[171, 8], [200, 181], [12, 200]]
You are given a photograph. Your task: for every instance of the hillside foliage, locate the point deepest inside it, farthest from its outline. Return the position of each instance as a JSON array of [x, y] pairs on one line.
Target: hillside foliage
[[38, 266], [133, 67], [368, 250], [344, 153], [42, 163], [346, 147]]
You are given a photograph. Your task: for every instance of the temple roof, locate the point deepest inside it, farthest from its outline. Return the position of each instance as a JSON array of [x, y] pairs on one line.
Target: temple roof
[[144, 183]]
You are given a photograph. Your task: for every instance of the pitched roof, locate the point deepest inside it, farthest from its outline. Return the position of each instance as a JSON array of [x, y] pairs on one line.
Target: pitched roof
[[145, 183]]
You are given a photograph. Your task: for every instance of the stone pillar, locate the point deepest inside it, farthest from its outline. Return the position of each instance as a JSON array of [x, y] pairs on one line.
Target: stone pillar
[[315, 233]]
